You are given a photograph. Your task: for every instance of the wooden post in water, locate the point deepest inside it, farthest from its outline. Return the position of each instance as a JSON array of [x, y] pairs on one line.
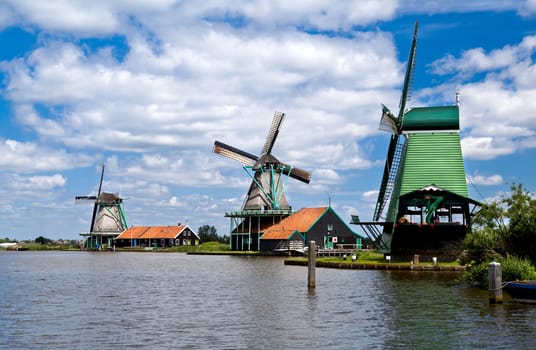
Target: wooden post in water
[[311, 265], [495, 283]]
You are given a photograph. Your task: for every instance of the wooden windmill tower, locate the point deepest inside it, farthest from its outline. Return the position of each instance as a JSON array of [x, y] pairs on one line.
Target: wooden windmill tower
[[107, 219], [423, 203], [265, 203]]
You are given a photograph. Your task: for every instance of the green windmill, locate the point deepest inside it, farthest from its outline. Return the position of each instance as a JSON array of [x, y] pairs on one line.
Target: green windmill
[[423, 204]]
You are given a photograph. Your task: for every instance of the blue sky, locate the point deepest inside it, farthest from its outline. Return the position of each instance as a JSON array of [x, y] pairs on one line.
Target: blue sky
[[146, 88]]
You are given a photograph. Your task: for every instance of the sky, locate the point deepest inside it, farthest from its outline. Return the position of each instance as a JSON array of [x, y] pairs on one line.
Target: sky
[[146, 87]]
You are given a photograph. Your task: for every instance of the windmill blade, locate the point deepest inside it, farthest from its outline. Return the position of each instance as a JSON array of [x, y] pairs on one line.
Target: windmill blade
[[82, 199], [410, 74], [297, 173], [96, 205], [383, 194], [273, 132], [234, 153], [393, 163], [387, 121], [100, 182], [93, 216]]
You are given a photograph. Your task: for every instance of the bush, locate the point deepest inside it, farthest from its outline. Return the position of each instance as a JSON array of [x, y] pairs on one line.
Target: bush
[[512, 268], [476, 274]]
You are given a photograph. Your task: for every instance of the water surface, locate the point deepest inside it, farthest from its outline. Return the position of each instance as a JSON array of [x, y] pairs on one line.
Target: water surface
[[84, 300]]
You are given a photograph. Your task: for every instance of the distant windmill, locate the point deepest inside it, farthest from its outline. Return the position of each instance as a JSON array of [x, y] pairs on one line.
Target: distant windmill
[[108, 218], [266, 191]]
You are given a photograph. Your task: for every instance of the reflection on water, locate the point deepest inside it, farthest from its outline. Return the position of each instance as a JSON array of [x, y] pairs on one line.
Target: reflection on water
[[81, 300]]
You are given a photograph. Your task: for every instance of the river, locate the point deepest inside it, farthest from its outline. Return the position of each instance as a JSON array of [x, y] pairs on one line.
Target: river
[[105, 300]]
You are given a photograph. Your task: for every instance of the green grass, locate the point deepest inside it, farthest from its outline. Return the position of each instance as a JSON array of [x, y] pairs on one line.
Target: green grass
[[39, 246], [374, 258], [212, 247]]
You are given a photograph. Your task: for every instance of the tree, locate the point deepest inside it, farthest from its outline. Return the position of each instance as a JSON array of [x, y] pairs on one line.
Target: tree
[[521, 238], [505, 227], [504, 231], [208, 234], [43, 240]]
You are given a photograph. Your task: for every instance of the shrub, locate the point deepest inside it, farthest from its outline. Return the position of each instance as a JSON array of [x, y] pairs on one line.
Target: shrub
[[512, 268]]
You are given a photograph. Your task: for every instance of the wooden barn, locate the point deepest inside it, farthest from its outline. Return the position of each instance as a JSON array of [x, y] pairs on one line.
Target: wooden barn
[[157, 236], [321, 225]]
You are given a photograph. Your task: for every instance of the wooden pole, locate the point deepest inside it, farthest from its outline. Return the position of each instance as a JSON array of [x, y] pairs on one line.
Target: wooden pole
[[495, 283], [311, 265]]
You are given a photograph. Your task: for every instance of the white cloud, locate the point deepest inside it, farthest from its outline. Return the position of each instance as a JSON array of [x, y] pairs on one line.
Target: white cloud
[[326, 176], [104, 17], [371, 195], [133, 106], [31, 157], [497, 105], [474, 61], [483, 180], [529, 8], [38, 182], [97, 17], [485, 148]]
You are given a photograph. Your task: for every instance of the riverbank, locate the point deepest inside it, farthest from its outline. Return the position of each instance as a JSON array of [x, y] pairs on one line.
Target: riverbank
[[376, 266]]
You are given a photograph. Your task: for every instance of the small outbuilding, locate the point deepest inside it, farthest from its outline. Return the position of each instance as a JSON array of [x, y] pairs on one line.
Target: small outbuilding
[[321, 225], [157, 236]]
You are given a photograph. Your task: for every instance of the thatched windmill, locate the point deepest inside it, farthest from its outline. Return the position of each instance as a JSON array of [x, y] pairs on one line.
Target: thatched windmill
[[107, 218], [265, 203]]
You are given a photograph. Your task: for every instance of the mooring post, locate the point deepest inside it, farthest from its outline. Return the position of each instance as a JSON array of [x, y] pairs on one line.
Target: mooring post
[[495, 283], [415, 259], [311, 265]]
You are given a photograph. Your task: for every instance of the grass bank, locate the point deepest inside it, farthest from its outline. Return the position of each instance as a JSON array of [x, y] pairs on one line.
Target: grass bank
[[370, 260]]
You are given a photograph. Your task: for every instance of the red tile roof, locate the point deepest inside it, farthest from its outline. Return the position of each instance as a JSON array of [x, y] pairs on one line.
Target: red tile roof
[[301, 221], [152, 232]]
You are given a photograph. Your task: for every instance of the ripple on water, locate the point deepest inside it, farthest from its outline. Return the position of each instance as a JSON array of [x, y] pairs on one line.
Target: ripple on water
[[83, 300]]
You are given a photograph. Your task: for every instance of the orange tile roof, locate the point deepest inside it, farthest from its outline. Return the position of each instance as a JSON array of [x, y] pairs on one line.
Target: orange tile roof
[[277, 234], [152, 232], [133, 232], [300, 221]]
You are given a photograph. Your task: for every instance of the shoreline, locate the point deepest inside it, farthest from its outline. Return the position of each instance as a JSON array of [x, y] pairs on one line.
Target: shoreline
[[377, 266]]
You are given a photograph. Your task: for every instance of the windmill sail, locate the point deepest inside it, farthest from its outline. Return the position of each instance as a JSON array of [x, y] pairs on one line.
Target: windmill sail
[[95, 205], [300, 174], [397, 144], [392, 164], [409, 79], [234, 153], [277, 121], [267, 189]]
